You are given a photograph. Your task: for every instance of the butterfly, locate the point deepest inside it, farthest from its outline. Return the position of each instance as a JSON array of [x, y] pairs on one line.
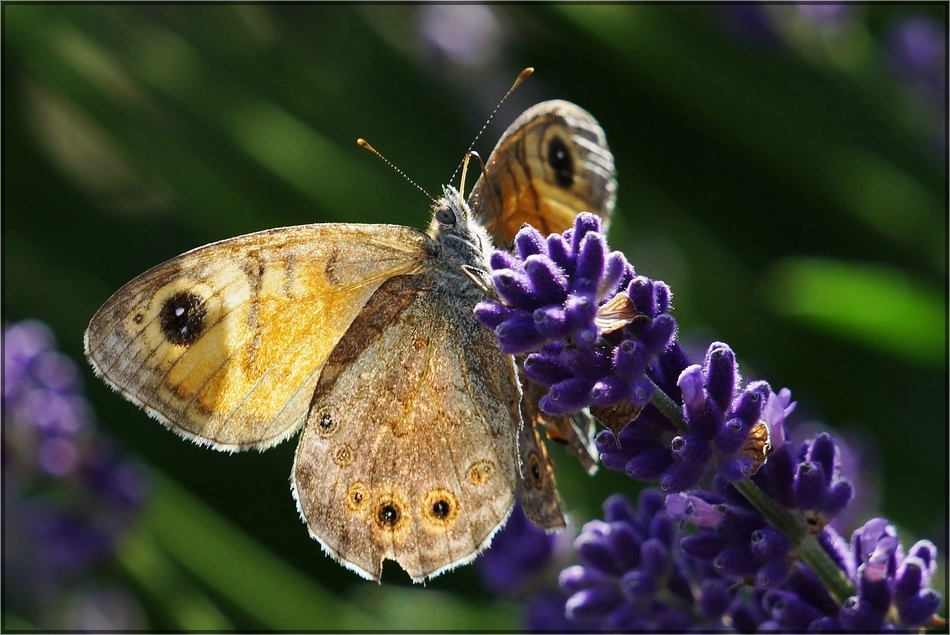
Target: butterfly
[[415, 434]]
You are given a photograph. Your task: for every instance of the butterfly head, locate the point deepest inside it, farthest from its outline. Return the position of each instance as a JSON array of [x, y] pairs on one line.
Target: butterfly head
[[455, 229]]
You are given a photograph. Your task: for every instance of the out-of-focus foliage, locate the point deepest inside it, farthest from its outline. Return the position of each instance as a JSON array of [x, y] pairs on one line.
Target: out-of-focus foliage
[[782, 168]]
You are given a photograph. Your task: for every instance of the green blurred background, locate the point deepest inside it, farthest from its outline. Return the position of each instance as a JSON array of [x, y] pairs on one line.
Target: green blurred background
[[772, 169]]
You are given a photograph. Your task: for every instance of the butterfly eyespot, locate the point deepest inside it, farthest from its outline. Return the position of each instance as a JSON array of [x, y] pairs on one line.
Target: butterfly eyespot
[[326, 422], [559, 158], [138, 318], [388, 514], [343, 456], [182, 318], [534, 470], [480, 472], [440, 507], [357, 497], [445, 216]]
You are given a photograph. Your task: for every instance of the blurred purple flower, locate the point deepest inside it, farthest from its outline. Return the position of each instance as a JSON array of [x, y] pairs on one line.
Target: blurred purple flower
[[69, 494], [916, 53]]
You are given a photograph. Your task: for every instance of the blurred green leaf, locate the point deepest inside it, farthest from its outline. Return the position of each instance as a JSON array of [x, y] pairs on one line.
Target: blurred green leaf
[[240, 570], [874, 305]]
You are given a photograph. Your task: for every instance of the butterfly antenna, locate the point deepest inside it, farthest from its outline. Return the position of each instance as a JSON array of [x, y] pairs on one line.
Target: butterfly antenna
[[365, 144], [523, 75]]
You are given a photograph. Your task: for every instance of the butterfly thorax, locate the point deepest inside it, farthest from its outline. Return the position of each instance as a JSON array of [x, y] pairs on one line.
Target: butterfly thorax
[[458, 241]]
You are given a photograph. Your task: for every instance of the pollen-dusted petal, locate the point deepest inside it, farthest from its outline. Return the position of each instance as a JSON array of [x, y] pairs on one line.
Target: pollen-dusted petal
[[518, 334], [545, 369], [559, 250], [551, 322], [591, 259], [585, 223], [529, 242], [514, 288], [491, 314], [504, 260], [547, 280]]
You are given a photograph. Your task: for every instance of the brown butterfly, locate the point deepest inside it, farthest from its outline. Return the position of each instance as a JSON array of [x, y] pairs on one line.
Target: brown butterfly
[[364, 337]]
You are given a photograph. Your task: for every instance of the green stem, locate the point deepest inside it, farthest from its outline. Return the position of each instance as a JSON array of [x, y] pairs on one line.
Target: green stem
[[809, 549], [668, 408]]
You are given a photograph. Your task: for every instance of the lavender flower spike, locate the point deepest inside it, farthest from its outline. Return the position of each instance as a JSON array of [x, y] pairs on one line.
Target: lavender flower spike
[[592, 327]]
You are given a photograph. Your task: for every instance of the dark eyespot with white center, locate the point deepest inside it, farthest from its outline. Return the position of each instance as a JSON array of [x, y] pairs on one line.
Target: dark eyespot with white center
[[182, 318]]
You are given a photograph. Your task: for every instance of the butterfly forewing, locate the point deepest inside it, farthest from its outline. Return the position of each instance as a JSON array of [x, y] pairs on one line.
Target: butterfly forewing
[[224, 343]]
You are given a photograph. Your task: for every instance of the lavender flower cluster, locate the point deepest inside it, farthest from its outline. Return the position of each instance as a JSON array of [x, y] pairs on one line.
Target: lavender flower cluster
[[737, 536], [69, 495]]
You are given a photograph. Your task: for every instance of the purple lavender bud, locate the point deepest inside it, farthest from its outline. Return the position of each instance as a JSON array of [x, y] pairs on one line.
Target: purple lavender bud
[[909, 579], [641, 292], [662, 296], [920, 609], [545, 369], [691, 449], [772, 574], [529, 242], [560, 253], [591, 259], [592, 602], [618, 509], [690, 382], [608, 391], [592, 547], [499, 260], [737, 562], [492, 314], [810, 486], [630, 358], [714, 598], [721, 373], [518, 334], [514, 288], [789, 611], [748, 408], [926, 551], [641, 391], [576, 578], [654, 557], [663, 528], [822, 452], [547, 280], [732, 436], [694, 510], [624, 544], [616, 273], [659, 334], [681, 476], [649, 465], [551, 322], [566, 396], [638, 585], [770, 544], [837, 498], [584, 224], [580, 310], [734, 469], [856, 615]]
